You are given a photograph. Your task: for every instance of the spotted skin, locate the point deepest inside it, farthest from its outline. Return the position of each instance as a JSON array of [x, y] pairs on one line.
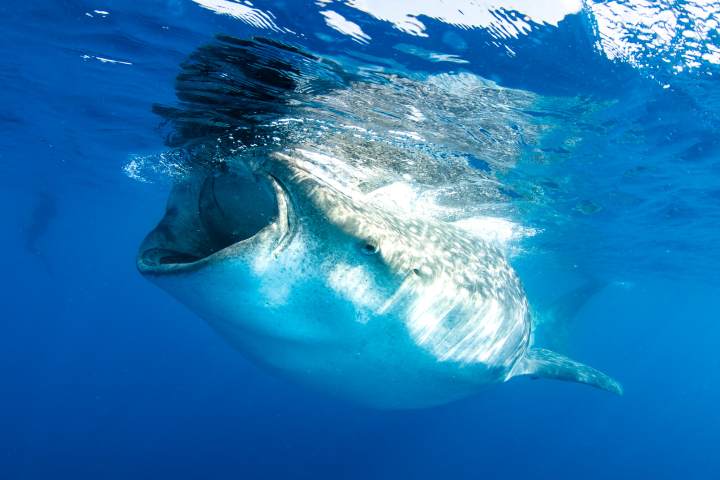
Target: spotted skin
[[468, 304]]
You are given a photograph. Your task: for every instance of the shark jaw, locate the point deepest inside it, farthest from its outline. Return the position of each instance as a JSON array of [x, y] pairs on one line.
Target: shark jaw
[[210, 219]]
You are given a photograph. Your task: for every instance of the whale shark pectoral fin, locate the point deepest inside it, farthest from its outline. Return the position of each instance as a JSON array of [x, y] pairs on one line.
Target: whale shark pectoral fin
[[542, 363]]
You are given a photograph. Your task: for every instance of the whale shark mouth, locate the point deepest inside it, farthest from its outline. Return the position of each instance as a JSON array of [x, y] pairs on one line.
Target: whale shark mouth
[[206, 217]]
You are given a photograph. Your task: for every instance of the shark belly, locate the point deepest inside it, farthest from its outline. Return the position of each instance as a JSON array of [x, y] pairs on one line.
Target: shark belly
[[311, 335]]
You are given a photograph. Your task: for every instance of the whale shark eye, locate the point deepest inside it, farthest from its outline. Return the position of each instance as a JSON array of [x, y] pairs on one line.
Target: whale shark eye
[[369, 248]]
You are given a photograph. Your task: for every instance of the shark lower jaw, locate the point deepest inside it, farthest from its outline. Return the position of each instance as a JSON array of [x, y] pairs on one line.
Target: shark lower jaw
[[217, 218]]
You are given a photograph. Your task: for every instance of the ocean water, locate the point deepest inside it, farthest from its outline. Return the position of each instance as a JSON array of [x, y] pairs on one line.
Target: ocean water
[[584, 135]]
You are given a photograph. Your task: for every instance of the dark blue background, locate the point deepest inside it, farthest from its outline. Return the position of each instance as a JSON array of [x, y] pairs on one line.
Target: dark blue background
[[105, 376]]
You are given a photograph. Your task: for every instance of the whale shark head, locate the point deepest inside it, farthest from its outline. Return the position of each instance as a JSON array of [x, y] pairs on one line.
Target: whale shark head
[[284, 214]]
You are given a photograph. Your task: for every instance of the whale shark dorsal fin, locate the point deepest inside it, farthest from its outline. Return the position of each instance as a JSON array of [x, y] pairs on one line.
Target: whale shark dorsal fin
[[542, 363]]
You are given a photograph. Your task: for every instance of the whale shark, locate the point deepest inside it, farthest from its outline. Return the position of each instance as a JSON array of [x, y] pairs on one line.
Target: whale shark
[[325, 266]]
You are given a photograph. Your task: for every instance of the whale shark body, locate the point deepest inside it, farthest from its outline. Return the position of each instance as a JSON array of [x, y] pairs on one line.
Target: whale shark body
[[317, 267]]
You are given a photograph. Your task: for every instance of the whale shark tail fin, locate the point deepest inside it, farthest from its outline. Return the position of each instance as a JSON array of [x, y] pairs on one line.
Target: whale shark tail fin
[[542, 363]]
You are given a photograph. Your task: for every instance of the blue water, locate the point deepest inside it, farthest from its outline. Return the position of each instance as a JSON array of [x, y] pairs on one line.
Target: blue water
[[105, 376]]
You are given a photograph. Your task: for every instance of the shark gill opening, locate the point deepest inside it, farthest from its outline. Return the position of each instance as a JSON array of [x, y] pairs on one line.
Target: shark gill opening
[[206, 215]]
